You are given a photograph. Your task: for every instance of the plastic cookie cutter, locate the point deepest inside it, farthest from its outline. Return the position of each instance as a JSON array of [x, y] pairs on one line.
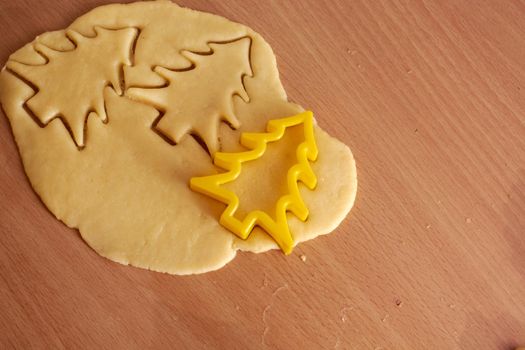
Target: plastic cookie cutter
[[291, 202]]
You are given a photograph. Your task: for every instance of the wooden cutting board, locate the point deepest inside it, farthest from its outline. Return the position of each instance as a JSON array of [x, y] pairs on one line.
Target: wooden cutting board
[[430, 96]]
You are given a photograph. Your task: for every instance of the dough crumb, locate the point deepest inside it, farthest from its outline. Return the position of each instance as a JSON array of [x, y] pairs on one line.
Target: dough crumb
[[468, 220], [344, 313], [303, 258], [265, 281], [399, 303]]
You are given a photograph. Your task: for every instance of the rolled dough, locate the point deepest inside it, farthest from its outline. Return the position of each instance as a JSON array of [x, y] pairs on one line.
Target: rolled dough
[[86, 105]]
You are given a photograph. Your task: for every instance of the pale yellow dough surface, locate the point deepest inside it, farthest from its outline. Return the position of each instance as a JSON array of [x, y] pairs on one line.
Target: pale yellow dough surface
[[124, 185]]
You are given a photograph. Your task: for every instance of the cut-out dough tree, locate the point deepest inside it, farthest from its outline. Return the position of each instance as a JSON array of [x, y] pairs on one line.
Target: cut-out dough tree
[[71, 84], [197, 98]]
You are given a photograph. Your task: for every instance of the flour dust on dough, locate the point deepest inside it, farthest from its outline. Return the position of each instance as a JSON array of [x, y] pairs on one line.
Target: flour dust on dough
[[101, 115]]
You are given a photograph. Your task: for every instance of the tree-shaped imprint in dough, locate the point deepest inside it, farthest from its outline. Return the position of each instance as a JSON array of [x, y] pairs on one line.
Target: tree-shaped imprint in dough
[[70, 85], [199, 97]]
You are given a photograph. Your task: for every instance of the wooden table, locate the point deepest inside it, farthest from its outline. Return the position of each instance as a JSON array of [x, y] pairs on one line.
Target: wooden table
[[429, 95]]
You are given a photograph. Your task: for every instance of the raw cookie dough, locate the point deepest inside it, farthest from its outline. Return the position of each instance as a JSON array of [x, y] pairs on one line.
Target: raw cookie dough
[[95, 113]]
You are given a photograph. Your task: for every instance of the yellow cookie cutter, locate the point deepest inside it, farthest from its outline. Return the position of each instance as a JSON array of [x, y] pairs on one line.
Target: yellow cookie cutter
[[257, 142]]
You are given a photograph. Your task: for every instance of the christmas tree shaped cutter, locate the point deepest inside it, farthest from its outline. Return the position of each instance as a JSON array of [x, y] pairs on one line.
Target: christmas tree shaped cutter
[[277, 226]]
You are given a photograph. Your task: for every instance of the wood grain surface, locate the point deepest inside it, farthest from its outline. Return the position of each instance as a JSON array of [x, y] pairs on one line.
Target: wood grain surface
[[430, 96]]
